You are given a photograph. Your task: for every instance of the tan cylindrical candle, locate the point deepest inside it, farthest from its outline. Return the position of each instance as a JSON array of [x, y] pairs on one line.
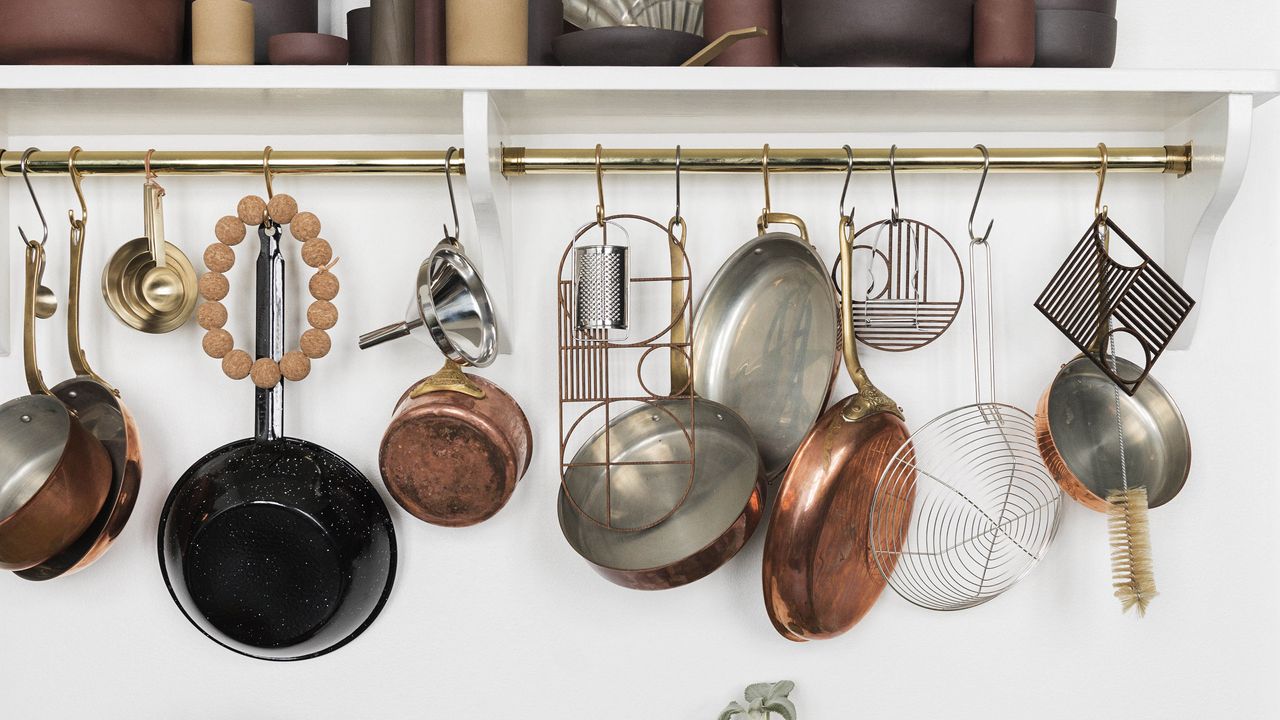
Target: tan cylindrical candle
[[222, 32], [487, 32]]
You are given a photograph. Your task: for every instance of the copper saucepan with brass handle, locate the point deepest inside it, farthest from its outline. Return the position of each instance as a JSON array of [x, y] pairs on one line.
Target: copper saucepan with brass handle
[[54, 474], [99, 407]]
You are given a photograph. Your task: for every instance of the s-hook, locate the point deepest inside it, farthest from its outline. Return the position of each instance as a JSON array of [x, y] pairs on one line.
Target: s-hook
[[26, 157], [46, 301], [846, 218], [77, 224], [768, 203], [986, 168], [896, 215], [266, 170], [453, 204], [1100, 210]]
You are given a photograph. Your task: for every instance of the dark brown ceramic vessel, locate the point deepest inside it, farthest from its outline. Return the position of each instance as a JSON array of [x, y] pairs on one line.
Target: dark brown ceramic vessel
[[721, 16], [1100, 6], [920, 33], [1004, 33], [360, 36], [96, 32], [307, 49], [1075, 38], [546, 23], [428, 38], [277, 17], [627, 46]]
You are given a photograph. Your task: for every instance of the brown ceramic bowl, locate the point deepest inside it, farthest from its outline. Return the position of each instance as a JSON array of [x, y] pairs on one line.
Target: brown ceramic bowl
[[307, 49], [1075, 39], [880, 33], [91, 32], [627, 45]]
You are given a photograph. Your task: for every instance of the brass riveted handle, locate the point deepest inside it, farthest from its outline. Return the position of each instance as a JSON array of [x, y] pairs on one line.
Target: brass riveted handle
[[869, 400], [449, 378], [35, 379]]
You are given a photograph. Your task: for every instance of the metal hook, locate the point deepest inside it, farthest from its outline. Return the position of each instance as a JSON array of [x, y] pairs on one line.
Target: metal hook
[[453, 204], [896, 215], [1099, 210], [764, 165], [77, 223], [600, 185], [26, 156], [986, 168], [846, 217], [150, 176], [266, 170], [677, 215]]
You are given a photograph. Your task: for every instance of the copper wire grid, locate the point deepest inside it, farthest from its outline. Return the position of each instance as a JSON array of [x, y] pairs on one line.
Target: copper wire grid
[[905, 311], [586, 360], [1092, 299]]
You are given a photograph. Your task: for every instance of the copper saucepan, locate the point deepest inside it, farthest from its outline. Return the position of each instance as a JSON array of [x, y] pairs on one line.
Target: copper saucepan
[[456, 447], [54, 474], [105, 416], [1080, 440], [819, 574]]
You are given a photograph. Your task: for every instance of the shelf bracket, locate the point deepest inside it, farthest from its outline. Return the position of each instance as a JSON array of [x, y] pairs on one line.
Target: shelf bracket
[[1195, 205], [484, 128]]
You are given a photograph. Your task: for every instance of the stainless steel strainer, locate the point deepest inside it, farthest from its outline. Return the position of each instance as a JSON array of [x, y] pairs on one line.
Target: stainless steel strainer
[[985, 507]]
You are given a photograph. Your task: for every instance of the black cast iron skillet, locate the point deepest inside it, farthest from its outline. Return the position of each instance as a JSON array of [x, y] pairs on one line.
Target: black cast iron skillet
[[275, 547]]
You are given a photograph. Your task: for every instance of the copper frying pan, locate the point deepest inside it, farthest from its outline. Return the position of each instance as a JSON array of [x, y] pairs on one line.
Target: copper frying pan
[[819, 575], [105, 416]]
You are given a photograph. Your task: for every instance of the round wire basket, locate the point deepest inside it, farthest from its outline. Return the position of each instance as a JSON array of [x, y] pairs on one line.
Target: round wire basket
[[965, 509]]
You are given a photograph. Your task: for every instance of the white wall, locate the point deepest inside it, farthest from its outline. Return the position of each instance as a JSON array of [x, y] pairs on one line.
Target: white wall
[[504, 620]]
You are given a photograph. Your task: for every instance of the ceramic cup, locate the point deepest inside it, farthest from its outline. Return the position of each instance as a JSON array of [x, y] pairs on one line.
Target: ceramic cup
[[360, 35], [276, 17], [721, 16], [487, 32], [393, 32], [428, 38], [221, 32], [546, 23], [1004, 33]]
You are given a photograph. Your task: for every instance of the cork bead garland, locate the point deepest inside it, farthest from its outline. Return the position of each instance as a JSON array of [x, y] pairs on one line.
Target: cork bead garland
[[214, 286]]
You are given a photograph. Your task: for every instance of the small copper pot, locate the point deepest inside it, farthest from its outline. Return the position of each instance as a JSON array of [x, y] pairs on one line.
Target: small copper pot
[[456, 448]]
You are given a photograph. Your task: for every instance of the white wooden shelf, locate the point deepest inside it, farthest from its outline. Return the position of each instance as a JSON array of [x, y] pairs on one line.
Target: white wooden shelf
[[487, 108], [539, 100]]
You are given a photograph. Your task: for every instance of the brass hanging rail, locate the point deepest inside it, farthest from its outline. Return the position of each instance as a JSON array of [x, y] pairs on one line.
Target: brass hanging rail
[[1174, 159]]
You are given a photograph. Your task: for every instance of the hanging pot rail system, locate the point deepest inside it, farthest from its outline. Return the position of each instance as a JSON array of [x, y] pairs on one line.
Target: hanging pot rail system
[[1168, 159]]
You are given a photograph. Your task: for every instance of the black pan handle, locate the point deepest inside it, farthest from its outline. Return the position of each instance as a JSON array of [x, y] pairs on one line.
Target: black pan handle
[[269, 423]]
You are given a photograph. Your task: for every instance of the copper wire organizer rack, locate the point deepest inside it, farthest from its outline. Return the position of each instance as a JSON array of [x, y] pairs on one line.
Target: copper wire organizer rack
[[591, 403]]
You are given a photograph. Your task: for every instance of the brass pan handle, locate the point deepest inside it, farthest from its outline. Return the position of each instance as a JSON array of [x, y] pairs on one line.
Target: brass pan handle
[[35, 264], [770, 217], [868, 400]]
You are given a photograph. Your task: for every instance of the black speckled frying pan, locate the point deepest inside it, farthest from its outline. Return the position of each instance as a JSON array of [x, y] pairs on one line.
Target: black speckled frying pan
[[275, 547]]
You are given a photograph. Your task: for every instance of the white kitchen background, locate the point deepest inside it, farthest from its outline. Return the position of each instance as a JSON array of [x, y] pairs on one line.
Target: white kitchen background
[[503, 620]]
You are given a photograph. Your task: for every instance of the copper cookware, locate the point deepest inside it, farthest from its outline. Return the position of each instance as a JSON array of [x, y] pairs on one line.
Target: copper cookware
[[54, 475], [626, 460], [456, 448], [105, 416], [819, 574], [1081, 445]]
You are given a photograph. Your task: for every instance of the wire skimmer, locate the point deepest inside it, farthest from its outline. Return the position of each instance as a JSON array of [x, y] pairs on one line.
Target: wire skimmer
[[966, 508]]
